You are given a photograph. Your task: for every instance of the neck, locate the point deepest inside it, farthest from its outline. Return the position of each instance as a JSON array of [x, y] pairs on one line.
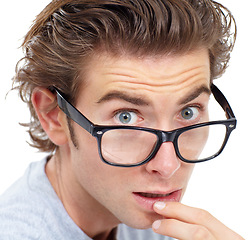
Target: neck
[[81, 207]]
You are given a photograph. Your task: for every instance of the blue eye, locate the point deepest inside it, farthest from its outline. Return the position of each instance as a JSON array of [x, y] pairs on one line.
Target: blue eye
[[126, 117], [190, 113]]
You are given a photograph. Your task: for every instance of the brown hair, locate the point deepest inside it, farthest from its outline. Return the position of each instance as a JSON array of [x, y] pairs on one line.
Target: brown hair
[[67, 32]]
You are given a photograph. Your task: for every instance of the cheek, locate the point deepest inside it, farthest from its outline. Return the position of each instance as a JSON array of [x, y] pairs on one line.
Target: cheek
[[86, 152], [88, 165], [185, 172], [99, 182], [189, 169], [185, 175]]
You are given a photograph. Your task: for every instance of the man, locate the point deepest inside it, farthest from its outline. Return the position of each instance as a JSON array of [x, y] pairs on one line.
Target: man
[[118, 93]]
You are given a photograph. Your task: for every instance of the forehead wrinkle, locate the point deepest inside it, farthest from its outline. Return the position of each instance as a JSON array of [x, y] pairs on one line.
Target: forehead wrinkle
[[156, 80], [135, 86]]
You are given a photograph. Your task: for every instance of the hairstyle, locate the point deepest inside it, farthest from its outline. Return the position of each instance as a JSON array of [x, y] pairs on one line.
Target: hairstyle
[[68, 32]]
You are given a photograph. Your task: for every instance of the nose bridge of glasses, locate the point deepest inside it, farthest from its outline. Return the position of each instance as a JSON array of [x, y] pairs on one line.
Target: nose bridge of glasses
[[167, 136]]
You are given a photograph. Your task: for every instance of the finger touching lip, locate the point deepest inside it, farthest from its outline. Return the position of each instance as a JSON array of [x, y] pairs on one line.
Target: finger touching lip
[[146, 200]]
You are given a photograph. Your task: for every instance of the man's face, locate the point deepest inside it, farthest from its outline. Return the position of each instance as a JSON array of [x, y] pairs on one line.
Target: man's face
[[150, 92]]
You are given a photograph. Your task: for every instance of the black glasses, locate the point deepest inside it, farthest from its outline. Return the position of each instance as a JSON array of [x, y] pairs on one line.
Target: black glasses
[[130, 146]]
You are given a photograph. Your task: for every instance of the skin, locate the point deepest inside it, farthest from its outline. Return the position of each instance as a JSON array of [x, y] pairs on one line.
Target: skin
[[93, 191]]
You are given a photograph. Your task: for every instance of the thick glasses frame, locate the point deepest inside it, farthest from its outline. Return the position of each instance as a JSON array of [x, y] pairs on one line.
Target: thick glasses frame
[[98, 131]]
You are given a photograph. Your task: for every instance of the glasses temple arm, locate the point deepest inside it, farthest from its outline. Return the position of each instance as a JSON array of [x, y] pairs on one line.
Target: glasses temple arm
[[73, 113], [221, 99]]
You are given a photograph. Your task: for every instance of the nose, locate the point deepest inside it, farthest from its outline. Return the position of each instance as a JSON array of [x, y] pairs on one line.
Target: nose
[[166, 162]]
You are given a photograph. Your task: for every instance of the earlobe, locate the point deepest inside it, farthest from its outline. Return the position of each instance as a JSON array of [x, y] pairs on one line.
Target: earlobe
[[50, 116]]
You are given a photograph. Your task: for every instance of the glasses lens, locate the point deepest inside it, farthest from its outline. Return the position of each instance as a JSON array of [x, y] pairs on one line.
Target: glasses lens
[[126, 146], [202, 143]]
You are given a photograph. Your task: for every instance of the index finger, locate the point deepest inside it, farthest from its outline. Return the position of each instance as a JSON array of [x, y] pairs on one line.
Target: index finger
[[181, 212]]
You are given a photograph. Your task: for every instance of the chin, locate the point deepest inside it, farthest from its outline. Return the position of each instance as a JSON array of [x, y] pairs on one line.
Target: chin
[[142, 221]]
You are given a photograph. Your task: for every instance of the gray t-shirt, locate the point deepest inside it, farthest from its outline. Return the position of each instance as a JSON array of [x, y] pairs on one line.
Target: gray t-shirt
[[30, 209]]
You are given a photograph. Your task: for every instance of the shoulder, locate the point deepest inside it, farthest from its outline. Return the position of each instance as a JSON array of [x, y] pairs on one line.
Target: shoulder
[[127, 233], [23, 206], [18, 220], [30, 209], [22, 209]]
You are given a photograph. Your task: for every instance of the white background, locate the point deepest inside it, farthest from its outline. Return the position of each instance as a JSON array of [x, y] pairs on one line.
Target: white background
[[221, 186]]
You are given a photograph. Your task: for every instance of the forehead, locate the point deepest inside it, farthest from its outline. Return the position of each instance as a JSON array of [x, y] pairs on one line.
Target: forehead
[[147, 75]]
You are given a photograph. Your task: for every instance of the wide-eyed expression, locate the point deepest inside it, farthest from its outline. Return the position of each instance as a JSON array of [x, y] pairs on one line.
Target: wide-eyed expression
[[165, 93]]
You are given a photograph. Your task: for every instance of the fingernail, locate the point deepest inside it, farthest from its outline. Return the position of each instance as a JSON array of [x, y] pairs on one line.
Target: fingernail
[[160, 205], [156, 224]]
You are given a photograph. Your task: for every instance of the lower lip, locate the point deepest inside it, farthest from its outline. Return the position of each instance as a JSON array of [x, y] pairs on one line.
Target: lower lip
[[147, 202]]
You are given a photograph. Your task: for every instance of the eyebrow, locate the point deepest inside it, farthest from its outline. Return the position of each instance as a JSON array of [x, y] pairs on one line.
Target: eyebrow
[[138, 100], [142, 101], [194, 94]]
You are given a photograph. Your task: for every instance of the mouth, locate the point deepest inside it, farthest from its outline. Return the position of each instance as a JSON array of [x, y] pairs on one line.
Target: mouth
[[146, 200], [153, 195]]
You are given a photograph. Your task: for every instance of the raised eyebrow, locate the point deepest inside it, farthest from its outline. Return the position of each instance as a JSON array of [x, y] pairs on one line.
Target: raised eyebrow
[[194, 94], [136, 100]]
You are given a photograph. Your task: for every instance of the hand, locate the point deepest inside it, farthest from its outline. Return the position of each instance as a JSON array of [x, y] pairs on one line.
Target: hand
[[185, 223]]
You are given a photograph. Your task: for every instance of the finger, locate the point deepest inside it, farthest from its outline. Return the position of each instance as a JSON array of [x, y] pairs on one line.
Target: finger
[[196, 216], [181, 230], [184, 213]]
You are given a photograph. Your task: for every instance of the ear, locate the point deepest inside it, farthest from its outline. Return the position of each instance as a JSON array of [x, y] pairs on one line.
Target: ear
[[51, 117]]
